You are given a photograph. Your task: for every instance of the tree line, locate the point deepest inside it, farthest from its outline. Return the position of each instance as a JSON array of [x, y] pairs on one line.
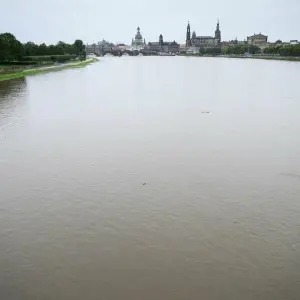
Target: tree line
[[210, 51], [242, 49], [290, 50], [232, 50], [12, 50], [282, 50]]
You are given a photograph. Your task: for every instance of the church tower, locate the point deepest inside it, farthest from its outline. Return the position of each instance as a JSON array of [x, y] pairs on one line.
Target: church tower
[[161, 40], [218, 33], [188, 35]]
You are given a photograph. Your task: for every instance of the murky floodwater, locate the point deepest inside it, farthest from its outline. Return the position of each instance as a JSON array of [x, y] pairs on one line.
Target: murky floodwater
[[152, 178]]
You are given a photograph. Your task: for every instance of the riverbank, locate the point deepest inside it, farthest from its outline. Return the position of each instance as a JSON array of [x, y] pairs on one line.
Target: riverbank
[[266, 57], [47, 69], [284, 58]]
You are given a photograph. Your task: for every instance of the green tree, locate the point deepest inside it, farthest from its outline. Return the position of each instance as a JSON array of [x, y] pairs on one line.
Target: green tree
[[213, 51], [30, 49], [42, 49], [4, 48], [13, 50], [201, 51], [290, 50], [79, 47], [254, 49], [10, 47]]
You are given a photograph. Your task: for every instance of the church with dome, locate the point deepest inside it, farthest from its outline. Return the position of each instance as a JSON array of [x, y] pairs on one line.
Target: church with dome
[[138, 43]]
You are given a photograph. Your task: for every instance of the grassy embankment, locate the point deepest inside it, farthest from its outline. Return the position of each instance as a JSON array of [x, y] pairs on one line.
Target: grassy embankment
[[36, 71], [267, 57], [286, 58]]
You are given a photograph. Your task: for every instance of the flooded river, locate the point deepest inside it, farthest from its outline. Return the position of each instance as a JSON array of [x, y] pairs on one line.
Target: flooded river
[[142, 178]]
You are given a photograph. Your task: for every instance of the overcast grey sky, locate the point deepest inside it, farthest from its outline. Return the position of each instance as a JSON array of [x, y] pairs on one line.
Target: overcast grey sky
[[116, 20]]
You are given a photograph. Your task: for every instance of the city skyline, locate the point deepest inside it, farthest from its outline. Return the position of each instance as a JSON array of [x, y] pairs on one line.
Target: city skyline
[[92, 22]]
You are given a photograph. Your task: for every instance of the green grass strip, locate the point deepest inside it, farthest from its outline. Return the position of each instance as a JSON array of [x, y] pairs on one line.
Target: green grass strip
[[39, 71]]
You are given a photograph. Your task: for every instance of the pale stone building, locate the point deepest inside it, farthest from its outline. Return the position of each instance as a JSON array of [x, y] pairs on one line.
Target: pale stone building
[[257, 39], [138, 43]]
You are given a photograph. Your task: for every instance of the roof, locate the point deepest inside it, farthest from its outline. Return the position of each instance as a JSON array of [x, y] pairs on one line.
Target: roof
[[163, 43], [104, 43], [204, 37], [259, 36], [170, 43]]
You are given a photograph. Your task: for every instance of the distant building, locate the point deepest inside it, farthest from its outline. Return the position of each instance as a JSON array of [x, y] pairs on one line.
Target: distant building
[[182, 48], [105, 45], [192, 50], [138, 43], [120, 47], [161, 46], [232, 43], [294, 42], [203, 41], [154, 46], [257, 39], [93, 48], [99, 48], [241, 42]]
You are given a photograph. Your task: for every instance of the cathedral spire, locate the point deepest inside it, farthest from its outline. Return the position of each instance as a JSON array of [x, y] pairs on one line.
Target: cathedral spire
[[218, 32], [161, 40], [188, 35]]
